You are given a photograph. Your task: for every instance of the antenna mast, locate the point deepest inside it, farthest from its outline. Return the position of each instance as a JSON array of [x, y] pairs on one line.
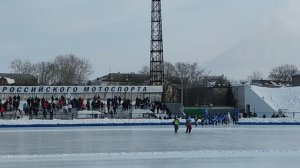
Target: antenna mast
[[156, 51]]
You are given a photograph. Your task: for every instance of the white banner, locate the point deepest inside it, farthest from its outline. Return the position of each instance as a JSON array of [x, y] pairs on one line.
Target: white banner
[[80, 89]]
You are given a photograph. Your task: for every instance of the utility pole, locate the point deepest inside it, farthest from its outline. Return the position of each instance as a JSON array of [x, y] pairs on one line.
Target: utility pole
[[156, 50], [181, 100]]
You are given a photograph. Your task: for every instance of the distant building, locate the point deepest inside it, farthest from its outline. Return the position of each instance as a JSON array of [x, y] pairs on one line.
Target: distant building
[[214, 90], [216, 81], [238, 92], [267, 83], [122, 79], [18, 79], [296, 79]]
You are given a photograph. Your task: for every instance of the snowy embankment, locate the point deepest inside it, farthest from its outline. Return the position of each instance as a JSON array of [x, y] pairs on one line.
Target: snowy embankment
[[195, 154], [283, 98], [83, 122], [133, 122], [269, 121]]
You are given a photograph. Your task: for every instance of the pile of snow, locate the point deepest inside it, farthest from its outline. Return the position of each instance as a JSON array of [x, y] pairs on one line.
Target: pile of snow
[[157, 155], [9, 80], [283, 120], [105, 122], [287, 98], [84, 114]]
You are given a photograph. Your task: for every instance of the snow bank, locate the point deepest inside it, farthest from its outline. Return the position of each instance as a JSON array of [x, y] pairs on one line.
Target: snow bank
[[156, 155], [269, 121], [9, 80], [24, 122], [284, 98]]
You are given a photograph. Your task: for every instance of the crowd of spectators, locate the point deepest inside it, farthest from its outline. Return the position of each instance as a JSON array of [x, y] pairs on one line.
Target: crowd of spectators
[[32, 106], [10, 104]]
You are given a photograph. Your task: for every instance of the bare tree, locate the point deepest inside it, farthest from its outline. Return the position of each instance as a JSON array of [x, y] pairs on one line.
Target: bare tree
[[45, 73], [182, 70], [196, 73], [191, 73], [169, 70], [145, 70], [70, 70], [64, 70], [256, 75], [26, 67], [283, 73]]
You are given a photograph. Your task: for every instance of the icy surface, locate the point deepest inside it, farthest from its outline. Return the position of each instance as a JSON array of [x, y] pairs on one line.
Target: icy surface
[[150, 146]]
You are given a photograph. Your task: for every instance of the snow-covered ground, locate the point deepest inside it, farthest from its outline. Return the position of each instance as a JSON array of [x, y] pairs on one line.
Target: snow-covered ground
[[283, 120], [151, 146], [155, 145], [283, 98], [106, 121], [25, 122]]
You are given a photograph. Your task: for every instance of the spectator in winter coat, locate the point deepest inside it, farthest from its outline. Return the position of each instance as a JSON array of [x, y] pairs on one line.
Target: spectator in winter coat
[[1, 110], [18, 114], [25, 108], [70, 107], [88, 105], [188, 124], [66, 108]]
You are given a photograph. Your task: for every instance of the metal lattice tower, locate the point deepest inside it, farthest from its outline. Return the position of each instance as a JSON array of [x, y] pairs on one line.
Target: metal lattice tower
[[156, 51]]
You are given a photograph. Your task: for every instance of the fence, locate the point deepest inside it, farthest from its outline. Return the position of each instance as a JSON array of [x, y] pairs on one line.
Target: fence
[[93, 114], [75, 114], [56, 115]]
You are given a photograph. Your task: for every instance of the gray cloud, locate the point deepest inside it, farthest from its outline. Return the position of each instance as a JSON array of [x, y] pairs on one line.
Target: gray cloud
[[115, 34], [274, 43]]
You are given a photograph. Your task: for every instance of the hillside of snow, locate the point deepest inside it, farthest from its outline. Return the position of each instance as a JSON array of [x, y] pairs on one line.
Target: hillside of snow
[[284, 98]]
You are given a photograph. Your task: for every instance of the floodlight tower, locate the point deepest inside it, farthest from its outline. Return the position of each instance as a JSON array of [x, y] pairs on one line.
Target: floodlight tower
[[156, 50]]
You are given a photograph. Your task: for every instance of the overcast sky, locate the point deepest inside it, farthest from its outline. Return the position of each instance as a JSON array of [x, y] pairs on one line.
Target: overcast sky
[[114, 35]]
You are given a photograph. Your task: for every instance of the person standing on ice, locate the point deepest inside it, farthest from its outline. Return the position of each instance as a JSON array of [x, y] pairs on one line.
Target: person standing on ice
[[176, 124], [229, 117], [188, 124]]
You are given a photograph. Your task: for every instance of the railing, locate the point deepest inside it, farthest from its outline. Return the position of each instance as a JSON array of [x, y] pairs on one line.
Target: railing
[[93, 114], [13, 115], [73, 114]]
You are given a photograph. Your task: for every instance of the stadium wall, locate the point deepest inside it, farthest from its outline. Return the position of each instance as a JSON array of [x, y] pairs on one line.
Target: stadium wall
[[255, 103]]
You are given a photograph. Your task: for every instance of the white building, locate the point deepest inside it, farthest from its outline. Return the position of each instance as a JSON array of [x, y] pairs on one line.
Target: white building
[[269, 100]]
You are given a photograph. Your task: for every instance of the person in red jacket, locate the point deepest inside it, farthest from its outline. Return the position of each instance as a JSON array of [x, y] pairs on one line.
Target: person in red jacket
[[45, 107], [188, 124], [1, 110]]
